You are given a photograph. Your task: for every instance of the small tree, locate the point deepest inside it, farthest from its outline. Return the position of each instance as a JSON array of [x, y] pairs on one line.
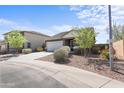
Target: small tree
[[117, 32], [15, 39], [85, 38]]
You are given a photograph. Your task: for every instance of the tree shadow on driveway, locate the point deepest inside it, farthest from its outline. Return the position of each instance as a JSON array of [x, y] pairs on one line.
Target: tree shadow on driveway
[[7, 56]]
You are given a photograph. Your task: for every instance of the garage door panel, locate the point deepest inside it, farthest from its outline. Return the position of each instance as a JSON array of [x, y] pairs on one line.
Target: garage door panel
[[53, 45]]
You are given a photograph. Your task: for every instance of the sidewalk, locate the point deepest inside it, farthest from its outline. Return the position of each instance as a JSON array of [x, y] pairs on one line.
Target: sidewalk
[[69, 76]]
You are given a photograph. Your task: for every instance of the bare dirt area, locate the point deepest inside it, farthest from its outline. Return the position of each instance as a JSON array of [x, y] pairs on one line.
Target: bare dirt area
[[93, 64]]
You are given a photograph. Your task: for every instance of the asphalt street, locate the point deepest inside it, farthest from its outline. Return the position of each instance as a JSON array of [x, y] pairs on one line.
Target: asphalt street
[[17, 76]]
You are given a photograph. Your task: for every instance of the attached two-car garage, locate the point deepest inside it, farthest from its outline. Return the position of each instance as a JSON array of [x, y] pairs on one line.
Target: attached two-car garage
[[53, 45]]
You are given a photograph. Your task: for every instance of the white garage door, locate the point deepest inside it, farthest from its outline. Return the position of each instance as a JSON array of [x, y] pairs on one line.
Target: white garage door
[[53, 45]]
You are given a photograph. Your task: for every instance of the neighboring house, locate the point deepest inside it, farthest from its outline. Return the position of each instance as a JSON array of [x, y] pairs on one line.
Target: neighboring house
[[3, 47], [34, 40], [61, 39]]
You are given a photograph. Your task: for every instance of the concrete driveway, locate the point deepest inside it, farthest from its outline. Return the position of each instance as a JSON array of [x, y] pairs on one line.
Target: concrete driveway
[[24, 72]]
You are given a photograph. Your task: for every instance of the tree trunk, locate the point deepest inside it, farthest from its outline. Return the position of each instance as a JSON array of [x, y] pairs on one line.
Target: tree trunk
[[81, 52], [89, 51], [84, 52], [17, 51]]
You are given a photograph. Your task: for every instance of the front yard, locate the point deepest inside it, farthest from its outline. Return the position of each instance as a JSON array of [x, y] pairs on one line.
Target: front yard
[[93, 64]]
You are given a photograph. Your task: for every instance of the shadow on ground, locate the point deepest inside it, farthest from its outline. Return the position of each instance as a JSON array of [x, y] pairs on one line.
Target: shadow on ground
[[7, 56]]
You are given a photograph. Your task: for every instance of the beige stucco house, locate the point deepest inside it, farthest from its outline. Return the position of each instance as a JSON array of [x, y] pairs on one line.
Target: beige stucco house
[[34, 40], [3, 47], [59, 40], [62, 39]]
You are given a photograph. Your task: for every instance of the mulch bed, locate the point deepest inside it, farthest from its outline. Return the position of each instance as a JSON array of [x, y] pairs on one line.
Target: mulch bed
[[93, 64]]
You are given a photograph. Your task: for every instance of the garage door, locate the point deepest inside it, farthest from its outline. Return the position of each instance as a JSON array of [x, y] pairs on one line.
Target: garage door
[[53, 45]]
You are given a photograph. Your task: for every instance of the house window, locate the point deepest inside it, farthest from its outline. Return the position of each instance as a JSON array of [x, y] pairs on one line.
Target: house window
[[28, 45]]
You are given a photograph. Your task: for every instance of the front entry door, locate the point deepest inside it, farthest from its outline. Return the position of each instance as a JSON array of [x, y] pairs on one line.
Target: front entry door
[[71, 45], [0, 48]]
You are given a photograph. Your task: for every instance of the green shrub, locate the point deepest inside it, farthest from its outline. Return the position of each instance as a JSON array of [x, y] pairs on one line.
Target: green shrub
[[26, 50], [105, 54], [61, 55]]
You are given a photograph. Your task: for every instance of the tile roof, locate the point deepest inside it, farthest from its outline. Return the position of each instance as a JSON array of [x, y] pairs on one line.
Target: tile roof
[[33, 32], [62, 34], [2, 42]]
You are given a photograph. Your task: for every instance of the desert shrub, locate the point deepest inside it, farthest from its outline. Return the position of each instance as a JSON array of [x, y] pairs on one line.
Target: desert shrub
[[39, 49], [105, 54], [61, 55], [66, 48], [26, 50]]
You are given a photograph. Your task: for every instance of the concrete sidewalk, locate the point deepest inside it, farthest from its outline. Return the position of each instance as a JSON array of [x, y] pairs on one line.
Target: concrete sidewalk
[[68, 76]]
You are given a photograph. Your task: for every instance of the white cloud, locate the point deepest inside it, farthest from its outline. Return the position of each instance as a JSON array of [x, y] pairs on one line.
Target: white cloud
[[74, 8], [6, 22], [1, 37], [97, 16], [38, 29], [91, 15], [55, 29], [9, 25], [118, 14], [61, 28]]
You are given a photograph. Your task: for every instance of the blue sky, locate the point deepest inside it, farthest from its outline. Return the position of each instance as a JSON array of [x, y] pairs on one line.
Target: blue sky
[[51, 19]]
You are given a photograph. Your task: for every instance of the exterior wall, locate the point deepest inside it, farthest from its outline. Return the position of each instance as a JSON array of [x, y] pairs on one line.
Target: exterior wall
[[35, 40], [119, 49], [3, 48]]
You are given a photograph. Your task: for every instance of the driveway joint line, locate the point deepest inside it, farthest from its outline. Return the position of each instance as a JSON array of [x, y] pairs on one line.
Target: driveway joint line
[[105, 83]]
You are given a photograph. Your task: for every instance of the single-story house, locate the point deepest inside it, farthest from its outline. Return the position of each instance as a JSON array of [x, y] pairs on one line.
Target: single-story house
[[34, 40], [62, 39]]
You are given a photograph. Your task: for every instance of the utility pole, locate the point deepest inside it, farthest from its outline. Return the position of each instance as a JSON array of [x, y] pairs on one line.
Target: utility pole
[[110, 39]]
